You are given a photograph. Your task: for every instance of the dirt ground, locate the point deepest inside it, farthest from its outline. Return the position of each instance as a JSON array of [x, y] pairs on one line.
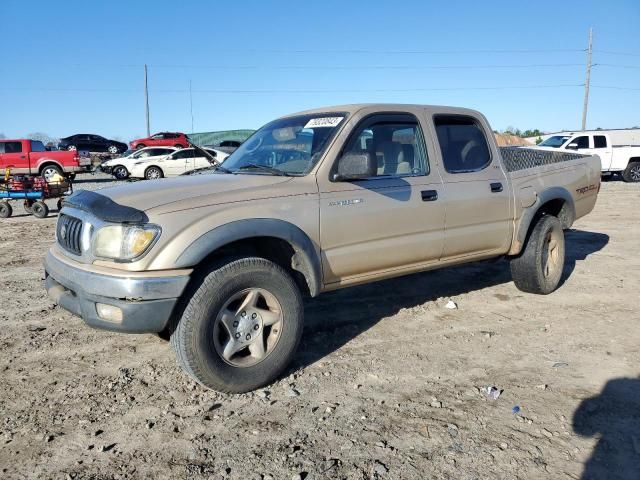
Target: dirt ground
[[387, 382]]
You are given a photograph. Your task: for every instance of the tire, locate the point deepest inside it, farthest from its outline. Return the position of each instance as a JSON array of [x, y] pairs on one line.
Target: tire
[[112, 149], [59, 203], [140, 145], [200, 339], [40, 209], [48, 171], [72, 148], [539, 267], [5, 210], [632, 172], [178, 145], [120, 172], [153, 173]]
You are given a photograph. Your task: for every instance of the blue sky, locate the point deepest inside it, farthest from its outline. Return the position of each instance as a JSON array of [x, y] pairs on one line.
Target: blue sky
[[77, 66]]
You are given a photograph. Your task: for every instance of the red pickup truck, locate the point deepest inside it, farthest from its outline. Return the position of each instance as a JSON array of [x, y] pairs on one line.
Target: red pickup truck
[[30, 157]]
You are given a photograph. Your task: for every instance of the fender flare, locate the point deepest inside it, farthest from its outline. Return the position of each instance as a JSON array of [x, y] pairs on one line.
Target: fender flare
[[530, 214], [305, 259], [48, 161]]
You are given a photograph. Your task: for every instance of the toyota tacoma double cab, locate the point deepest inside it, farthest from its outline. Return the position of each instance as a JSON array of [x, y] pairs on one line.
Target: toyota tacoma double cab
[[31, 157], [219, 262]]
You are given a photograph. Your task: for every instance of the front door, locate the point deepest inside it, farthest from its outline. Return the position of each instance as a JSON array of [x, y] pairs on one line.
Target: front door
[[13, 156], [391, 220], [478, 195]]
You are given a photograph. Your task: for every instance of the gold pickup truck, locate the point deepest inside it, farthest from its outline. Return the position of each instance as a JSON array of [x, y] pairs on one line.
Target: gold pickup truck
[[219, 261]]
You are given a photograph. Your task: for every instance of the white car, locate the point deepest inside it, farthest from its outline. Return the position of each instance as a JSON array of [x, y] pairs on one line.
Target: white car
[[623, 159], [174, 164], [121, 167]]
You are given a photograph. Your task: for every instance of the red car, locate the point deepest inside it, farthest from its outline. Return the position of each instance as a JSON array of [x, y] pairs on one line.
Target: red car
[[162, 139], [31, 157]]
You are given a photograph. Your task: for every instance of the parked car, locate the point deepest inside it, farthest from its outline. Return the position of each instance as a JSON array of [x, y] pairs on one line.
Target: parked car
[[121, 167], [91, 143], [31, 157], [168, 139], [312, 202], [622, 159], [174, 164]]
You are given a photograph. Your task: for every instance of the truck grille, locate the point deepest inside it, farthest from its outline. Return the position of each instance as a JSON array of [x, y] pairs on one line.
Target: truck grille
[[69, 232]]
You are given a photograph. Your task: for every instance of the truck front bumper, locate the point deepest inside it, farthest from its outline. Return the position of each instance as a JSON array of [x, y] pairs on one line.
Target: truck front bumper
[[138, 302]]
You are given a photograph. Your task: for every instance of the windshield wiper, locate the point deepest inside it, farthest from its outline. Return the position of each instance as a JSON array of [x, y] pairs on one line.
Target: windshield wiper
[[265, 168]]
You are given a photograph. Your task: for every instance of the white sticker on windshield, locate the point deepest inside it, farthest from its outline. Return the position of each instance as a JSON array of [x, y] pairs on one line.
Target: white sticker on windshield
[[323, 122]]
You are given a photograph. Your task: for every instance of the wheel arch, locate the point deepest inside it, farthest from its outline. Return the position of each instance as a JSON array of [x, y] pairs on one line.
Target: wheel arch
[[276, 240], [46, 162], [556, 201]]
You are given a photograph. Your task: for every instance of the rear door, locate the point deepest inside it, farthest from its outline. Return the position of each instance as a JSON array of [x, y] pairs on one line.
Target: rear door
[[601, 146], [477, 192], [14, 155], [391, 220], [178, 162]]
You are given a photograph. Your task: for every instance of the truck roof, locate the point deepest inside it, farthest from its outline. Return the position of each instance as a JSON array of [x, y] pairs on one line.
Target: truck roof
[[355, 107]]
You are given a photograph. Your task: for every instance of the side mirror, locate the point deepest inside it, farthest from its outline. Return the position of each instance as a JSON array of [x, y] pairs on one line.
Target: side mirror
[[355, 166], [573, 146]]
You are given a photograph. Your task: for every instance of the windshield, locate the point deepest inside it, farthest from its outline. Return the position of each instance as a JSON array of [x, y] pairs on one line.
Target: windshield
[[556, 141], [288, 146]]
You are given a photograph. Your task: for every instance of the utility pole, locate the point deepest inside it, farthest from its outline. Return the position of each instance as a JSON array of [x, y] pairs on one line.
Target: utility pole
[[587, 81], [191, 105], [146, 98]]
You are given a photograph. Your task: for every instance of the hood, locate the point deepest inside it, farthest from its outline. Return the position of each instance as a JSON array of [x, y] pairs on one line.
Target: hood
[[195, 191]]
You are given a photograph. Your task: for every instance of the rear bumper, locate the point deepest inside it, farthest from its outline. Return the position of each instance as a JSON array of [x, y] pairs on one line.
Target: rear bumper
[[147, 303]]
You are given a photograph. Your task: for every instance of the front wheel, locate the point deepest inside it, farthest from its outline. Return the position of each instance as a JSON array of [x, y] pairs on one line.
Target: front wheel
[[153, 173], [177, 145], [140, 145], [120, 172], [241, 327], [539, 267], [632, 172], [112, 149]]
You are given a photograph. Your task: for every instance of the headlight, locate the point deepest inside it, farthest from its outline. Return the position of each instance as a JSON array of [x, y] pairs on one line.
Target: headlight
[[124, 242]]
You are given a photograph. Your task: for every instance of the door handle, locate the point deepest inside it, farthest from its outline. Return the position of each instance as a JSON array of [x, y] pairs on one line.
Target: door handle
[[23, 156], [429, 195], [496, 187]]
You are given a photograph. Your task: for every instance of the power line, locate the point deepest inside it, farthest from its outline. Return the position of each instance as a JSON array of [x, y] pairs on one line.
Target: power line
[[365, 67], [271, 91], [613, 65], [612, 87], [614, 52]]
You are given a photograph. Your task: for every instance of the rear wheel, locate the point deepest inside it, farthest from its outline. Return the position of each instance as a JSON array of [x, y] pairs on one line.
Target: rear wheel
[[40, 209], [72, 148], [539, 267], [120, 172], [241, 327], [177, 145], [153, 173], [632, 172], [49, 171], [5, 210]]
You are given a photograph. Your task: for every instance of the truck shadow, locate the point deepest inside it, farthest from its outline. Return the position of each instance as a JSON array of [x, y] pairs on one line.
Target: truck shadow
[[612, 416], [335, 318]]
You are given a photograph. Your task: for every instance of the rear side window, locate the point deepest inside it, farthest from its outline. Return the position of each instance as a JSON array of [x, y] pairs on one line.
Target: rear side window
[[463, 144], [599, 141], [10, 147], [37, 146]]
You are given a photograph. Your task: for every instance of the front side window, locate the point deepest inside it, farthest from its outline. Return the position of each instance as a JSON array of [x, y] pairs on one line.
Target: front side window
[[599, 141], [579, 142], [288, 146], [157, 136], [463, 144], [11, 147], [395, 141]]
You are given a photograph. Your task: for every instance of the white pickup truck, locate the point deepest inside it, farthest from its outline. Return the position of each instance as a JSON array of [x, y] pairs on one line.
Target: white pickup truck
[[623, 159]]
